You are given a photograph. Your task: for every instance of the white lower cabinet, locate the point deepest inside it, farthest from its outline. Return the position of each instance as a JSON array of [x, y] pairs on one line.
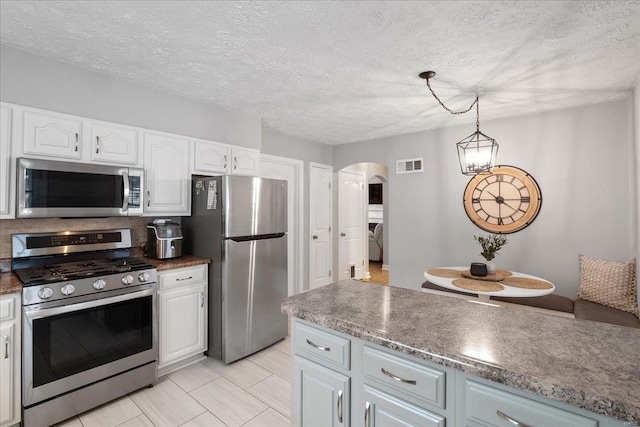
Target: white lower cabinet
[[10, 364], [182, 297]]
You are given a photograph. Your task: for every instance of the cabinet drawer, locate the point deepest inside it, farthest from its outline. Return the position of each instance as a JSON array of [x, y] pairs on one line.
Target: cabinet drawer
[[485, 404], [419, 381], [322, 344], [182, 276], [8, 307]]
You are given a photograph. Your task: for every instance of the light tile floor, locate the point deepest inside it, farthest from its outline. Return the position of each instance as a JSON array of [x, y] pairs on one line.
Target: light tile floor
[[252, 392]]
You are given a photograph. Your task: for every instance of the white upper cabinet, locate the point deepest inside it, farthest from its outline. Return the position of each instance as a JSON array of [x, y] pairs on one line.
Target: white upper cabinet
[[244, 161], [215, 158], [211, 158], [111, 143], [52, 134], [167, 174], [5, 160]]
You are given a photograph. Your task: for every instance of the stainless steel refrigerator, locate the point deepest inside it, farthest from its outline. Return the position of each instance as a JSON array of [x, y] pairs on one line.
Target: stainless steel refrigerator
[[241, 224]]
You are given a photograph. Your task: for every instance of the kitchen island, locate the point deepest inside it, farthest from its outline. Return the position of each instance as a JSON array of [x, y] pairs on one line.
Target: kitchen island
[[558, 362]]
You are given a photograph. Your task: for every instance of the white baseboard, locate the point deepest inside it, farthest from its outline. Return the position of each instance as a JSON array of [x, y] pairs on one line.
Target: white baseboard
[[367, 275], [385, 267]]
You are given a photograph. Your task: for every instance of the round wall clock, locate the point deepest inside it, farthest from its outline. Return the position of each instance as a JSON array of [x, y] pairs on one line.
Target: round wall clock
[[504, 201]]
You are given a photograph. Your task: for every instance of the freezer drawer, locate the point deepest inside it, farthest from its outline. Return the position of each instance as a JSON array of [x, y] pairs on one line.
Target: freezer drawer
[[254, 282]]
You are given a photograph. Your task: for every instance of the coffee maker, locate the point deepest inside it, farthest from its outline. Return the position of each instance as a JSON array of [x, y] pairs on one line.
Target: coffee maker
[[164, 239]]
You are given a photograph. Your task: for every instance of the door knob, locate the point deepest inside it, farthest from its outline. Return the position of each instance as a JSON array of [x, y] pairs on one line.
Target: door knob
[[343, 234], [315, 237]]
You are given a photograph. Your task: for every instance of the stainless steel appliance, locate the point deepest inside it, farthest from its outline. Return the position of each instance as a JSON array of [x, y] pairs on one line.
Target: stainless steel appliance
[[88, 319], [241, 223], [164, 239], [47, 188]]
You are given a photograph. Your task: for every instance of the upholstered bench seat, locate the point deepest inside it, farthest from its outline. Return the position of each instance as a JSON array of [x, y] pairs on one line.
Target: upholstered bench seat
[[547, 302], [588, 310], [582, 309]]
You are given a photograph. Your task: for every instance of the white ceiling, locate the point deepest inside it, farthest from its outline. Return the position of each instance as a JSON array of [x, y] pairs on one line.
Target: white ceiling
[[344, 71]]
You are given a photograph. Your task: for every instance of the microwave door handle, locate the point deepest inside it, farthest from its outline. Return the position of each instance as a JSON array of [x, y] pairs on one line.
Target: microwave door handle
[[125, 193]]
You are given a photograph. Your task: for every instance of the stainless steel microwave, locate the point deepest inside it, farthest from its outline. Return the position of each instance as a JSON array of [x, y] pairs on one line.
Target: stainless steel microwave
[[47, 188]]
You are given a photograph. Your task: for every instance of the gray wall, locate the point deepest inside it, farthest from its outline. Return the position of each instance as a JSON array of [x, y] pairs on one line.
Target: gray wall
[[279, 144], [636, 178], [41, 82], [581, 160]]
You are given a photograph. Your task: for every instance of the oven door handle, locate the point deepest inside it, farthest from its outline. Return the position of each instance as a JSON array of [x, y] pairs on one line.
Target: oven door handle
[[39, 313]]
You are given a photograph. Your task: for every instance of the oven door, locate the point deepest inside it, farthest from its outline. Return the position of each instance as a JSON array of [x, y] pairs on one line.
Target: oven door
[[70, 346]]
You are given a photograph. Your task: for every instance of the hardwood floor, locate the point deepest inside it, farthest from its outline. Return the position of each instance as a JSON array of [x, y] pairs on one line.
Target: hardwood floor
[[378, 275]]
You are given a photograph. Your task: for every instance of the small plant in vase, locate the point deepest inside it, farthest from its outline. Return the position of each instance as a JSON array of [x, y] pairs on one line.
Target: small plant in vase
[[490, 244]]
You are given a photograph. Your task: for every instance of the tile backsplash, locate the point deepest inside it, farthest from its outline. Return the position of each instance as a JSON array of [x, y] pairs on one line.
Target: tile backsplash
[[8, 227]]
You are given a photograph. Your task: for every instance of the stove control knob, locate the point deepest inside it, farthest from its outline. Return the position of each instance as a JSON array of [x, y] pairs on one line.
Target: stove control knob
[[99, 284], [67, 289], [143, 277], [127, 280], [45, 293]]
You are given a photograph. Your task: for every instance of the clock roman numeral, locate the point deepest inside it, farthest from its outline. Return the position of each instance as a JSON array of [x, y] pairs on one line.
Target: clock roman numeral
[[525, 199], [499, 178], [475, 200], [500, 221]]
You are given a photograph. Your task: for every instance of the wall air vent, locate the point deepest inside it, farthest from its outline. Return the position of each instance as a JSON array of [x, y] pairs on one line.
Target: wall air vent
[[409, 165]]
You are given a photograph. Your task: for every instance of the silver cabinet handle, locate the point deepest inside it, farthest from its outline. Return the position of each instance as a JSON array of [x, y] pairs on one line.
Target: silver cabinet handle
[[314, 345], [339, 406], [97, 145], [148, 198], [402, 380], [511, 420], [315, 237], [367, 418], [235, 162], [6, 347], [202, 303], [77, 136], [225, 161], [184, 278]]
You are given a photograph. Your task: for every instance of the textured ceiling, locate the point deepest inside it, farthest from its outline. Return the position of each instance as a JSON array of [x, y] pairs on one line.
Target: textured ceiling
[[344, 71]]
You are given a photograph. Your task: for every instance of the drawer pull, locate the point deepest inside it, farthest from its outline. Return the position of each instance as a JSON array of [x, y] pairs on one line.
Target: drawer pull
[[314, 345], [511, 420], [184, 278], [402, 380], [339, 409], [367, 410], [6, 347]]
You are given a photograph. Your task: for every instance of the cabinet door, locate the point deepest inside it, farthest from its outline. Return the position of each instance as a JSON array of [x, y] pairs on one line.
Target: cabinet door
[[321, 397], [112, 143], [211, 157], [182, 323], [7, 373], [52, 135], [384, 410], [244, 161], [5, 158], [166, 164]]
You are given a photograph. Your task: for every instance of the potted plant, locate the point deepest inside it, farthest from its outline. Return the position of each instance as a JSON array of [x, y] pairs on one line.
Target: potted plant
[[491, 244]]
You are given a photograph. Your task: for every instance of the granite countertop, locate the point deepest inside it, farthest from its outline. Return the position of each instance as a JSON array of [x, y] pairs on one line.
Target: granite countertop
[[9, 282], [591, 365]]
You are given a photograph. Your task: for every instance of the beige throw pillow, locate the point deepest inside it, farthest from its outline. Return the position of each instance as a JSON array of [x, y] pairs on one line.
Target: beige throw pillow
[[609, 283]]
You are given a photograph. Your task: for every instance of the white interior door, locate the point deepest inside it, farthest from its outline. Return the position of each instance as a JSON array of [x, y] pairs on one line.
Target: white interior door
[[320, 223], [291, 171], [352, 220]]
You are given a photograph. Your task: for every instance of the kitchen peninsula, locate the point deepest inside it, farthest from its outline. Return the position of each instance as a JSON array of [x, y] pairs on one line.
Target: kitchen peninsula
[[430, 359]]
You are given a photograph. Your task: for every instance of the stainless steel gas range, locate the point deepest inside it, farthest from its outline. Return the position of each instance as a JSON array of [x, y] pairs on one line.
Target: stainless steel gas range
[[88, 318]]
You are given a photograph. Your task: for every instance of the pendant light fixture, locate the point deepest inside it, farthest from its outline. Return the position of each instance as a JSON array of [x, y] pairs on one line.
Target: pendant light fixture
[[477, 152]]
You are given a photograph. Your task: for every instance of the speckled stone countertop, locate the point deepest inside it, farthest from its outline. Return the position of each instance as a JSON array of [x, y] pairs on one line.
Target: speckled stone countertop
[[9, 282], [591, 365], [185, 260]]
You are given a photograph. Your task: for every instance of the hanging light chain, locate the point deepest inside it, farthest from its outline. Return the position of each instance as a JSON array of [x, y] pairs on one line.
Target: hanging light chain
[[445, 107]]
